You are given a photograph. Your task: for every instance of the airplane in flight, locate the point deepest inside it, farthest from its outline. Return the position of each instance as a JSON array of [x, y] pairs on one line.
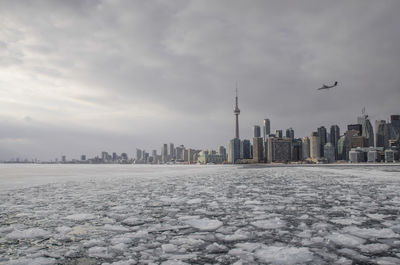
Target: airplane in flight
[[327, 87]]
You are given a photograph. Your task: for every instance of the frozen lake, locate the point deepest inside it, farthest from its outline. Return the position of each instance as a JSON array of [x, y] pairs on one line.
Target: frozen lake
[[138, 214]]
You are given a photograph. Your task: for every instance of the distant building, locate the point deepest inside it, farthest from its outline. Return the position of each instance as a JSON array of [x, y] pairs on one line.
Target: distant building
[[258, 149], [139, 154], [246, 149], [297, 150], [222, 151], [329, 152], [366, 129], [290, 133], [83, 157], [342, 149], [334, 138], [395, 127], [382, 133], [278, 134], [323, 139], [204, 158], [256, 131], [179, 152], [389, 156], [171, 152], [234, 150], [315, 146], [355, 127], [306, 147], [355, 156], [164, 153], [267, 128], [279, 149]]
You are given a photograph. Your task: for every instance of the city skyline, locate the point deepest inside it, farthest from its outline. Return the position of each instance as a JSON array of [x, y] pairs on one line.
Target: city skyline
[[83, 77]]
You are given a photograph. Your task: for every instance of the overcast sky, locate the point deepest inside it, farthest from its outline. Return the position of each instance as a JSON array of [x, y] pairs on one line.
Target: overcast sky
[[81, 77]]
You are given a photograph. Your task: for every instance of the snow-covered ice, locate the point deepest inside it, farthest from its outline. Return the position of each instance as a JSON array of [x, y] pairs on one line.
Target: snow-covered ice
[[139, 214]]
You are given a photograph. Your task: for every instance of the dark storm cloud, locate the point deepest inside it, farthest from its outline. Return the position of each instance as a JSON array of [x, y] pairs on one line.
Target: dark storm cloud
[[159, 71]]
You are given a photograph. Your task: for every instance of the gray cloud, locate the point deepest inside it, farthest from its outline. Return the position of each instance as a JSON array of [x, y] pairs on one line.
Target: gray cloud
[[102, 74]]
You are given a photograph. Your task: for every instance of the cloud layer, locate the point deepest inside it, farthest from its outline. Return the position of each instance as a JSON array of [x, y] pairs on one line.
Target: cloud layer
[[79, 77]]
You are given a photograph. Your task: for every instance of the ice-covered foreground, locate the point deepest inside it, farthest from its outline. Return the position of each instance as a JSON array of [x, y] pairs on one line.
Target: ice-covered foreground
[[199, 215]]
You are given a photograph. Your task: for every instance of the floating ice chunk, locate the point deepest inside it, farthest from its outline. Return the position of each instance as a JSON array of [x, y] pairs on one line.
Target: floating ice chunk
[[250, 247], [169, 248], [387, 261], [204, 224], [215, 248], [345, 221], [237, 236], [63, 229], [132, 221], [33, 261], [174, 262], [119, 248], [100, 252], [116, 228], [345, 240], [374, 248], [194, 201], [284, 255], [370, 232], [80, 217], [185, 241], [377, 216], [122, 262], [29, 233], [124, 238], [274, 223], [93, 242]]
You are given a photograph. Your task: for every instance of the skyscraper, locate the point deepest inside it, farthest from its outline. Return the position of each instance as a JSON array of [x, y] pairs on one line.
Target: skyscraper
[[236, 112], [164, 153], [279, 149], [246, 146], [306, 147], [234, 150], [267, 128], [256, 131], [366, 128], [278, 134], [315, 146], [171, 151], [258, 150], [395, 127], [382, 133], [322, 140], [290, 133], [334, 138]]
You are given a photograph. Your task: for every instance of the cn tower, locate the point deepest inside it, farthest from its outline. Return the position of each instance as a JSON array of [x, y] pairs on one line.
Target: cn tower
[[236, 111]]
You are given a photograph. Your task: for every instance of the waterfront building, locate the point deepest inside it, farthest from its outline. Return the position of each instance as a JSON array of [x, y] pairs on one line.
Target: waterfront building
[[279, 149], [222, 151], [256, 131], [83, 157], [395, 127], [355, 156], [234, 150], [297, 150], [171, 152], [334, 138], [246, 149], [179, 152], [267, 128], [278, 134], [372, 156], [139, 154], [366, 129], [389, 156], [355, 127], [315, 146], [329, 152], [342, 149], [306, 147], [322, 140], [290, 133], [382, 133], [258, 150], [164, 153]]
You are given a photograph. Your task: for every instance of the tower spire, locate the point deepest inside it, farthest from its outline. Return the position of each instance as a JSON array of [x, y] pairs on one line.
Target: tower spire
[[236, 112]]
